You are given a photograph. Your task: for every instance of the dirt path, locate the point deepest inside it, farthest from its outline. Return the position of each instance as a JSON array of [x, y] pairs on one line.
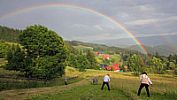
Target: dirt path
[[20, 94]]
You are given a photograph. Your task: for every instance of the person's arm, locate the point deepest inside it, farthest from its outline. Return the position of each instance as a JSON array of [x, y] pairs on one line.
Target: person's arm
[[150, 82], [141, 77], [109, 79]]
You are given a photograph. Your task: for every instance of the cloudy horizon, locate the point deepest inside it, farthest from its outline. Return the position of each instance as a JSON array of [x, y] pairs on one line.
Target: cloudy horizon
[[95, 20]]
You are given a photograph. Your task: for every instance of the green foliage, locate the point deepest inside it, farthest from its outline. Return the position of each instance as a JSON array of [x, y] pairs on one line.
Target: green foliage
[[15, 57], [79, 61], [3, 62], [157, 64], [39, 41], [47, 67], [45, 52], [116, 58], [9, 34], [82, 62], [92, 60], [4, 49], [175, 71], [71, 60], [172, 58], [135, 63], [107, 61], [172, 65]]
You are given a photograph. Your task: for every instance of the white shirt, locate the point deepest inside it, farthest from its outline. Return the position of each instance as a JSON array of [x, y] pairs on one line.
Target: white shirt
[[145, 79], [106, 78]]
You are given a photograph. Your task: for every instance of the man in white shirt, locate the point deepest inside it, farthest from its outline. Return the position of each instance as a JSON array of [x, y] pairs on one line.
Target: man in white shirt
[[106, 81]]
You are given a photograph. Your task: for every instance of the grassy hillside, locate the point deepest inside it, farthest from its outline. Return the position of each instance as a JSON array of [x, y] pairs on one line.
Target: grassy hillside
[[124, 86], [102, 47]]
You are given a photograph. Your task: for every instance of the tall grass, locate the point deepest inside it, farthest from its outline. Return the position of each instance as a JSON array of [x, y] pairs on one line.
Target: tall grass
[[6, 84], [12, 80]]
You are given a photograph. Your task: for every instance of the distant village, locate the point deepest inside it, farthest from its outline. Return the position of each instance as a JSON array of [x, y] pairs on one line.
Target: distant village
[[110, 67]]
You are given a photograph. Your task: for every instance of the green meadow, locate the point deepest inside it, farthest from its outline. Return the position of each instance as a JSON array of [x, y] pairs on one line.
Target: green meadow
[[123, 85]]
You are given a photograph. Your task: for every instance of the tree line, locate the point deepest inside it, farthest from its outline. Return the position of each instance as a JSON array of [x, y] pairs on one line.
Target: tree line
[[151, 63], [43, 54]]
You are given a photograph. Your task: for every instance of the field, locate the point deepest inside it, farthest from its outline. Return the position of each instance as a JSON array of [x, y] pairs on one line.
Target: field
[[124, 86]]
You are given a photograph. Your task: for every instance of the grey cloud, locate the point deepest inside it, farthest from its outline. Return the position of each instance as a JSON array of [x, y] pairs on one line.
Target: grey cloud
[[141, 17]]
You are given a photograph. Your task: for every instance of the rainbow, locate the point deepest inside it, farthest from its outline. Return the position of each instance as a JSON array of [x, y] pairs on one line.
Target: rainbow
[[112, 20]]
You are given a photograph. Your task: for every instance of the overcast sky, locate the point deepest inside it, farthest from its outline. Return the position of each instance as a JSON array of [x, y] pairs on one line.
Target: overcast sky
[[141, 17]]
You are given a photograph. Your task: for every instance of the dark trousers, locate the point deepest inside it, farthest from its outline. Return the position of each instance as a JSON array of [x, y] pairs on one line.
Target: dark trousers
[[107, 83], [147, 89]]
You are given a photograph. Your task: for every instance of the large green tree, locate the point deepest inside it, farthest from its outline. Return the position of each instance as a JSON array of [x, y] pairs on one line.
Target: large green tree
[[135, 63], [45, 52], [82, 62], [79, 61], [157, 64], [91, 59]]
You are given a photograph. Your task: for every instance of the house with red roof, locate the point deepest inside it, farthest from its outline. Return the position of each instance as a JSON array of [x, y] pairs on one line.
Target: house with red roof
[[106, 56], [114, 67]]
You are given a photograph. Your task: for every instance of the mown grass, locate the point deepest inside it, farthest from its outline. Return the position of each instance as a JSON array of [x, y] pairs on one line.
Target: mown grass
[[86, 92]]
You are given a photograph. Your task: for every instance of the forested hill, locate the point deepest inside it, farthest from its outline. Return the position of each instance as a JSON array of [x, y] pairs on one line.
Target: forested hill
[[162, 50], [9, 34], [102, 47]]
